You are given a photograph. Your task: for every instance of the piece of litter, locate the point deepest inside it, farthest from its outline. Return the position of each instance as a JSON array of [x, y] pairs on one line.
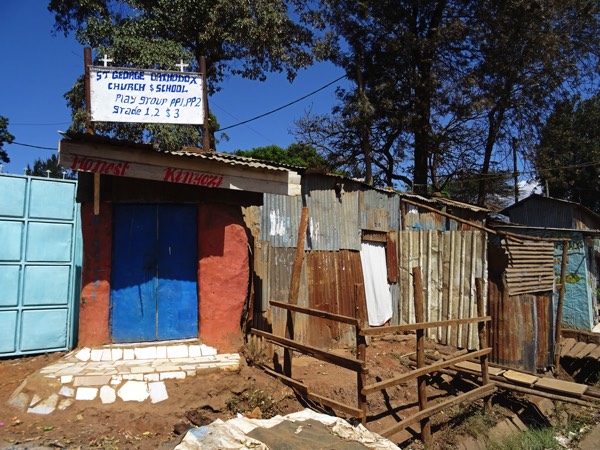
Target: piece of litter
[[298, 430]]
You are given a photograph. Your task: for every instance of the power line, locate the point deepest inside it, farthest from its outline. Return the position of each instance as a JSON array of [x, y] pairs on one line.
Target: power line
[[39, 124], [34, 146], [284, 106]]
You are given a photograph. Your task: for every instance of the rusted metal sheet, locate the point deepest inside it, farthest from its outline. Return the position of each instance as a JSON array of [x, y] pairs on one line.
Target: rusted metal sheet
[[328, 283], [333, 213], [379, 211], [332, 279], [450, 262], [530, 266], [521, 332]]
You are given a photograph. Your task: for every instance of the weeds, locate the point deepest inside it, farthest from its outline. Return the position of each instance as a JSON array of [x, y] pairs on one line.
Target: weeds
[[540, 439], [254, 398]]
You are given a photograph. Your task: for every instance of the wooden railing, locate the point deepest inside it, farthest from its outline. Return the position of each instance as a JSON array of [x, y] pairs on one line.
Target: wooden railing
[[359, 364]]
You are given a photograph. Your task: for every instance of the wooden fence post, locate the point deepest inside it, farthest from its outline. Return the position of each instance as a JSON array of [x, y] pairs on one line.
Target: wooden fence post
[[361, 349], [421, 380], [483, 359], [294, 290]]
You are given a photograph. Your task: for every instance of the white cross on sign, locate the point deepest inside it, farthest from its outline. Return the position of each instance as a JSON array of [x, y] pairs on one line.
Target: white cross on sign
[[106, 60], [181, 65]]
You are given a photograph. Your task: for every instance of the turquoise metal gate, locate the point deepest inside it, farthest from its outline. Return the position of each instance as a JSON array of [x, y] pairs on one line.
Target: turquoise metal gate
[[40, 264]]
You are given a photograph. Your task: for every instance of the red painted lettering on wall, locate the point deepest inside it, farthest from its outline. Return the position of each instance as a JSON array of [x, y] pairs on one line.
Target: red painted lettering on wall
[[99, 166], [190, 177]]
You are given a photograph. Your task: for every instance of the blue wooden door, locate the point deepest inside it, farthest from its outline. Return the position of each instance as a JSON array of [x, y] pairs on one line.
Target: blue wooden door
[[154, 273]]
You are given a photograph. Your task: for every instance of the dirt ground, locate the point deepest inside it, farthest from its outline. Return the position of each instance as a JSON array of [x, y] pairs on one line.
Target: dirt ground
[[199, 400]]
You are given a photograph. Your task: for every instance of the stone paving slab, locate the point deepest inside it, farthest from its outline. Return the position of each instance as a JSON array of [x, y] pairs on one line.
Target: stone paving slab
[[120, 373]]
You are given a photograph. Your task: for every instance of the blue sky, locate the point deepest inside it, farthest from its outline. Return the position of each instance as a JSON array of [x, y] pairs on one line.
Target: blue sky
[[37, 68]]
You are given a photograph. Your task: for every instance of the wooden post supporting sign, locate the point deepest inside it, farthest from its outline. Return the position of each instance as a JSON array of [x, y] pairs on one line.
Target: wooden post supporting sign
[[87, 62]]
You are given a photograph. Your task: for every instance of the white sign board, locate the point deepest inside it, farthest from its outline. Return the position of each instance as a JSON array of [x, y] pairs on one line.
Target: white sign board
[[145, 96]]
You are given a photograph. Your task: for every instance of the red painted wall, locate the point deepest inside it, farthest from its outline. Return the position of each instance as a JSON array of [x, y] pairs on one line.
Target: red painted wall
[[223, 273], [95, 294]]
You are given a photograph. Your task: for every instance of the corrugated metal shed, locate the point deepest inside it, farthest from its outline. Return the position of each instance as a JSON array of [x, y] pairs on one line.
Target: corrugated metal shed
[[450, 262], [547, 212]]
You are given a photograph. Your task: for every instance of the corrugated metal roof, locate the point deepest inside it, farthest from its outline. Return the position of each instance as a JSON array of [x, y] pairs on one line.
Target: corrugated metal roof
[[226, 158]]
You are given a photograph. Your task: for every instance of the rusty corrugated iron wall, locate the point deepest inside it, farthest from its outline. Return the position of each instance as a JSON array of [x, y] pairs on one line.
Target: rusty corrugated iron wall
[[522, 329], [521, 333], [450, 261]]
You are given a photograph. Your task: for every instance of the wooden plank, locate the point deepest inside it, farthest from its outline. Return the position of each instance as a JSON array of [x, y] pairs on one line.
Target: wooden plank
[[373, 331], [589, 348], [391, 253], [595, 354], [520, 377], [576, 349], [304, 391], [425, 370], [342, 361], [561, 386], [476, 367], [470, 396], [295, 289], [315, 312], [559, 304], [566, 345], [561, 398]]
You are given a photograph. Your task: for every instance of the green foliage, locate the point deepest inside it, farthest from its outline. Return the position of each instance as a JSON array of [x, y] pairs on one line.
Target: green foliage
[[249, 38], [298, 155], [536, 439], [5, 137], [41, 166], [567, 156], [442, 86]]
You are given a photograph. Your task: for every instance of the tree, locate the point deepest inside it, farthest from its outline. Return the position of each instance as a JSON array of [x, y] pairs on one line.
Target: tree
[[5, 137], [298, 155], [567, 156], [238, 37], [444, 86], [42, 166]]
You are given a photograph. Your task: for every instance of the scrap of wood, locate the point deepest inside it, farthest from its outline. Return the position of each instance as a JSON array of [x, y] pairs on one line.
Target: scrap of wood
[[561, 386], [470, 396], [567, 345], [595, 354], [575, 350], [381, 385], [304, 391], [476, 367], [519, 377], [348, 363], [589, 348]]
